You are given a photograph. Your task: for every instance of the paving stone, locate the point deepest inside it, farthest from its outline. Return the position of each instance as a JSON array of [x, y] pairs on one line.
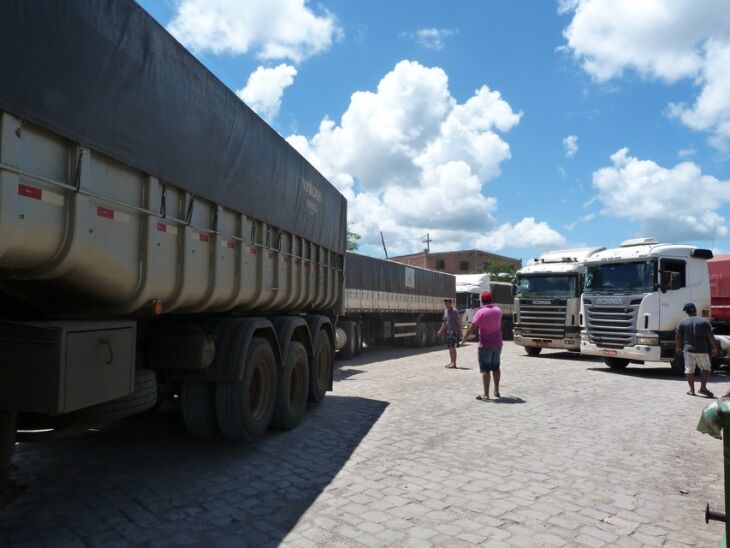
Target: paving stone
[[399, 455]]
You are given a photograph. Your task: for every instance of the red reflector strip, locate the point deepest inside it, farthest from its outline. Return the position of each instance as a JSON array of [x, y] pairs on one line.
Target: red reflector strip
[[30, 192], [203, 237], [253, 250], [162, 227], [104, 212], [231, 245]]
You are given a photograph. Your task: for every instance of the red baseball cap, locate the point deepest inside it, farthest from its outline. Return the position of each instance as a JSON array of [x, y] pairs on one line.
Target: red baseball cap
[[486, 296]]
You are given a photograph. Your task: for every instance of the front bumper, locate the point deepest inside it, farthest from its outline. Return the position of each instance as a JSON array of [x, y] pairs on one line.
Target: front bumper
[[640, 352], [564, 344]]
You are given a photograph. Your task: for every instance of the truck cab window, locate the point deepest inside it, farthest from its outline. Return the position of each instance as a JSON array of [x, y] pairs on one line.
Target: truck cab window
[[669, 266]]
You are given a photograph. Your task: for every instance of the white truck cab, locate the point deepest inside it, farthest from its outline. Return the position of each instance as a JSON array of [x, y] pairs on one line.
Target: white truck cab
[[633, 298], [468, 289], [547, 300]]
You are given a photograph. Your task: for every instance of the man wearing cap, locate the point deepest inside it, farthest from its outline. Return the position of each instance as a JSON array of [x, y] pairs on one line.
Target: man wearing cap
[[488, 320], [451, 325], [694, 338]]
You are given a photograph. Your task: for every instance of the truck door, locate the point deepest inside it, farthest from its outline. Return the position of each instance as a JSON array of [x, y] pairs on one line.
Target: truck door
[[673, 291]]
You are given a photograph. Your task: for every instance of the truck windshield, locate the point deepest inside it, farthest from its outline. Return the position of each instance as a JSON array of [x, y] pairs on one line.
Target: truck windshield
[[558, 287], [621, 278]]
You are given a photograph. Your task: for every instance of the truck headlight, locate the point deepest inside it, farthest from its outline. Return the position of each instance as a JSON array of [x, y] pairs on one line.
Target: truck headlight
[[649, 340]]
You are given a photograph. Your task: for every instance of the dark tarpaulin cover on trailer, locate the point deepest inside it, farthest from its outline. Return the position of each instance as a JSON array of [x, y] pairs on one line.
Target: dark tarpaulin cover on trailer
[[369, 273], [105, 74]]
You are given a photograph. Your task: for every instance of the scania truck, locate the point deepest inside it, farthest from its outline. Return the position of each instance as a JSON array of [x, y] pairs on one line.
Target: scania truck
[[633, 298], [547, 300]]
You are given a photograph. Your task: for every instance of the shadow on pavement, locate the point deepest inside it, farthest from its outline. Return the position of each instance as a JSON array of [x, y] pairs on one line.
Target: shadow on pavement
[[377, 354], [145, 481], [659, 372], [508, 399]]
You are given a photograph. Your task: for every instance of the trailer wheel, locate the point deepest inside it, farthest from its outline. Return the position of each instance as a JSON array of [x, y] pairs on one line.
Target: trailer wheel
[[358, 338], [507, 330], [348, 351], [616, 363], [430, 337], [320, 367], [677, 364], [244, 408], [197, 403], [533, 350], [292, 389], [419, 341]]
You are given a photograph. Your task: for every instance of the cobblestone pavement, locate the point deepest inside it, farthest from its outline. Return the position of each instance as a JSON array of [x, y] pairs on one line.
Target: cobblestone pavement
[[401, 454]]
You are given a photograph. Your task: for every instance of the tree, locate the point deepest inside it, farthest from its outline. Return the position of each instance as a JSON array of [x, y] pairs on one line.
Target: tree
[[498, 269], [352, 240]]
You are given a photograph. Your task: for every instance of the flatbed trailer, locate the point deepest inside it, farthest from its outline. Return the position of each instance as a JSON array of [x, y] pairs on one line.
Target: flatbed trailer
[[386, 301], [156, 236]]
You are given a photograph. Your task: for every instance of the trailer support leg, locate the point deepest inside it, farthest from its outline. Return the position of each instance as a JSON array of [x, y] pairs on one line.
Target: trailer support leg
[[9, 489]]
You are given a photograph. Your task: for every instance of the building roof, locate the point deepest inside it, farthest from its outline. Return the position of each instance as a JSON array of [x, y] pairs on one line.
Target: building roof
[[438, 253]]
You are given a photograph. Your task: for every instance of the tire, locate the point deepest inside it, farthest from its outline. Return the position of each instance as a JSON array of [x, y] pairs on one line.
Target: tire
[[677, 364], [244, 408], [197, 404], [292, 388], [420, 339], [533, 350], [348, 351], [358, 338], [320, 367], [430, 336], [618, 364], [507, 330]]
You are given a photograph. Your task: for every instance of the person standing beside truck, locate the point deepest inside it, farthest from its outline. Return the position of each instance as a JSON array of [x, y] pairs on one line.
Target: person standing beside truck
[[694, 338], [488, 320], [451, 325]]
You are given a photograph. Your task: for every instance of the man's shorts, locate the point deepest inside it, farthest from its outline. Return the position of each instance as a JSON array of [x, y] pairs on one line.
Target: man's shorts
[[452, 339], [489, 359], [696, 359]]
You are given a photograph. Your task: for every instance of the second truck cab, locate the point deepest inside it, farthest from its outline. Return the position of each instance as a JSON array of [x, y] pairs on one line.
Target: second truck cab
[[547, 300], [633, 299]]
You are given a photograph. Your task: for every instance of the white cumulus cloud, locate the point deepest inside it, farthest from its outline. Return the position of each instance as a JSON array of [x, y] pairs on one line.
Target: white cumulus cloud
[[570, 144], [411, 159], [265, 88], [432, 38], [274, 29], [664, 40], [678, 203]]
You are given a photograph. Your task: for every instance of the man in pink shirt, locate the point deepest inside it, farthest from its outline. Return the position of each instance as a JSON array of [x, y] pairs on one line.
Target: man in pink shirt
[[488, 320]]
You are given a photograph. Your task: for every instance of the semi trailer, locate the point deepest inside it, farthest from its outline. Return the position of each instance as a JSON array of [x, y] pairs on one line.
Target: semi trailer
[[547, 300], [156, 236], [386, 301], [468, 289], [633, 300]]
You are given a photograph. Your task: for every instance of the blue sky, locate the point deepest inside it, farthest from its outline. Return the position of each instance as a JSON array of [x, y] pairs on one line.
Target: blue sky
[[509, 126]]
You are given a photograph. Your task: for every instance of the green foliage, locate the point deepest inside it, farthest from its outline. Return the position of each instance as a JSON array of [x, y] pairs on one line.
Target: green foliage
[[352, 240], [497, 269]]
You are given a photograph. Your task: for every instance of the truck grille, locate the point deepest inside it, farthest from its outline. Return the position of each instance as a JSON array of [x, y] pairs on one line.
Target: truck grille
[[542, 321], [611, 326]]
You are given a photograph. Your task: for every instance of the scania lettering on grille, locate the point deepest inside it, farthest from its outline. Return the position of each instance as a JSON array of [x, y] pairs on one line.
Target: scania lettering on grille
[[609, 300], [541, 301]]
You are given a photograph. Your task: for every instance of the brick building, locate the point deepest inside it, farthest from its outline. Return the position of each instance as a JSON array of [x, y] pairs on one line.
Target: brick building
[[456, 262]]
